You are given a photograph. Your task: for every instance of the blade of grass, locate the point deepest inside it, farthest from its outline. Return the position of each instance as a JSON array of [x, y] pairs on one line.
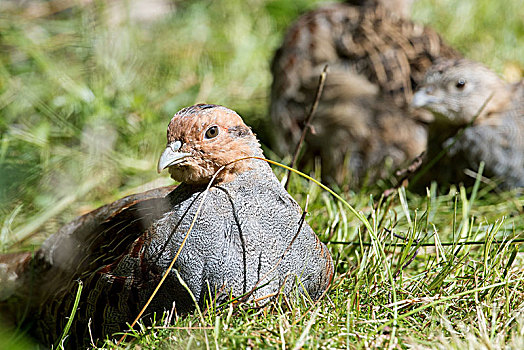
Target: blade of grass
[[61, 341]]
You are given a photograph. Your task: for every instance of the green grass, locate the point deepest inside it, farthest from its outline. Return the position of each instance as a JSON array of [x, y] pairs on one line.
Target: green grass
[[84, 105]]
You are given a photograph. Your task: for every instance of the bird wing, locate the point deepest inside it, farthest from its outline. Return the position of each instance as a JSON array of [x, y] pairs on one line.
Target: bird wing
[[45, 294], [376, 61], [500, 145], [387, 51], [84, 234]]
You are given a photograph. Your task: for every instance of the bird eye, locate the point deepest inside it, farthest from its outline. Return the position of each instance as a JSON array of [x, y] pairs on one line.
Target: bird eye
[[211, 132], [461, 83]]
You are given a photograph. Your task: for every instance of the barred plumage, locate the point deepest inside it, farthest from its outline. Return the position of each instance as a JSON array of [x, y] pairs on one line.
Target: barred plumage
[[376, 59]]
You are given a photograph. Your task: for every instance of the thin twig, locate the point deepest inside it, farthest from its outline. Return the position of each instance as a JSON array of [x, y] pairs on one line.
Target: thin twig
[[406, 264], [183, 328], [369, 244], [307, 124], [403, 175]]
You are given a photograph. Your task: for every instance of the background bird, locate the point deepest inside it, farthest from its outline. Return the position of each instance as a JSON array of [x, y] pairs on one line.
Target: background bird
[[478, 117], [376, 59], [249, 239]]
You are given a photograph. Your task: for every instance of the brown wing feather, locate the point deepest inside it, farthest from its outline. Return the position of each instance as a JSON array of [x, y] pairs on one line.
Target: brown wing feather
[[382, 58], [89, 243]]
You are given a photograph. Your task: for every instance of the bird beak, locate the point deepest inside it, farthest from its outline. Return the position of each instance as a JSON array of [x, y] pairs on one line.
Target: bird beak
[[422, 99], [171, 156]]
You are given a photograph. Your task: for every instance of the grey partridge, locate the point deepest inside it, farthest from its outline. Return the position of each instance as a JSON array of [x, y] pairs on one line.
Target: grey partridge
[[249, 240], [478, 117], [376, 57]]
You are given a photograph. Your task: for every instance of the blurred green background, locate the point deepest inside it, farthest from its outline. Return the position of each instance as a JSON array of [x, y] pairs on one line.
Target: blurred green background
[[87, 87]]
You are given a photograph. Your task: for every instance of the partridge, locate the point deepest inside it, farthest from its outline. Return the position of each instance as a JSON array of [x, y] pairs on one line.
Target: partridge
[[249, 240], [478, 117], [376, 58]]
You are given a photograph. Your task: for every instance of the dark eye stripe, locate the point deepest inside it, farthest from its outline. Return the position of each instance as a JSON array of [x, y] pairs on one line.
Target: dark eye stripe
[[238, 131]]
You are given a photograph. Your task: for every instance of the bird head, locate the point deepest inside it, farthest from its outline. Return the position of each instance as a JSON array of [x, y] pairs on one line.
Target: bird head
[[457, 91], [203, 138]]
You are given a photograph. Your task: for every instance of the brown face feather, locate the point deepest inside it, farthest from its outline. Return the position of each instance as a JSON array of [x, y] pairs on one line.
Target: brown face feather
[[205, 138]]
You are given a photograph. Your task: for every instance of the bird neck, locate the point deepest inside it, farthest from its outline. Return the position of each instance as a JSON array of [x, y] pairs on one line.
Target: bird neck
[[241, 163], [259, 175], [497, 101]]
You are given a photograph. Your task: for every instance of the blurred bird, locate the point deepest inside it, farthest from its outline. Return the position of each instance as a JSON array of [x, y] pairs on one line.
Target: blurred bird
[[249, 240], [376, 59], [478, 117]]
